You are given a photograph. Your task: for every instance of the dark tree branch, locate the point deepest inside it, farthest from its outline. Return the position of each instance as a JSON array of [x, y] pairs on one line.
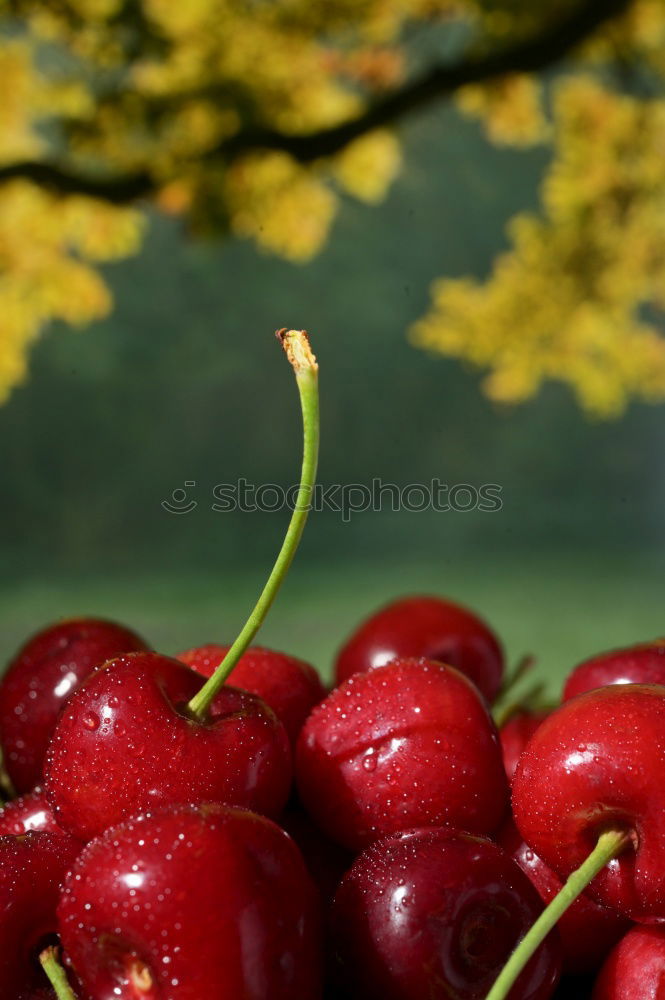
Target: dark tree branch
[[118, 190], [527, 56]]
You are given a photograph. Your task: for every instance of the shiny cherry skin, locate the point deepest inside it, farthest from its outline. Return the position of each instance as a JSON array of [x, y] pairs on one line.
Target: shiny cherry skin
[[635, 970], [514, 736], [29, 812], [588, 931], [434, 913], [39, 680], [32, 868], [289, 686], [125, 743], [193, 902], [431, 627], [643, 664], [598, 763], [408, 744]]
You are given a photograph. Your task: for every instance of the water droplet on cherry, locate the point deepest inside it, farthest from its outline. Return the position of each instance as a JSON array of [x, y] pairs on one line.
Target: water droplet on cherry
[[91, 721]]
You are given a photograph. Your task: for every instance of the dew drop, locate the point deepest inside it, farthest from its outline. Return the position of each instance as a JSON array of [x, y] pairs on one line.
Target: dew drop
[[91, 721]]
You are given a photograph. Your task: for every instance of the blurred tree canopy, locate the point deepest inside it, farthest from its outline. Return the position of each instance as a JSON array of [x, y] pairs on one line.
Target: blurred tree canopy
[[252, 117]]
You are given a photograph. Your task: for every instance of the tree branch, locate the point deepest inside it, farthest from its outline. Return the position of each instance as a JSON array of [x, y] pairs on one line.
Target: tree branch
[[528, 56], [118, 190], [525, 57]]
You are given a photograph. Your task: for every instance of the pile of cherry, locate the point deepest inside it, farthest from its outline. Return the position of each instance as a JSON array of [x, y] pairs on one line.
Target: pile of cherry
[[293, 842]]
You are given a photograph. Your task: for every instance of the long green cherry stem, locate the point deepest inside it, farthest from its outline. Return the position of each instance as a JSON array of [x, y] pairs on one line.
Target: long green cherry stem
[[56, 974], [609, 846], [303, 362]]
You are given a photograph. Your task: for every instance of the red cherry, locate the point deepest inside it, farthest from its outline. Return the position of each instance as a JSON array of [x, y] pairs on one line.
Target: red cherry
[[289, 686], [588, 931], [643, 664], [126, 742], [431, 627], [515, 735], [635, 970], [29, 812], [598, 764], [190, 903], [39, 680], [409, 744], [32, 868], [433, 913]]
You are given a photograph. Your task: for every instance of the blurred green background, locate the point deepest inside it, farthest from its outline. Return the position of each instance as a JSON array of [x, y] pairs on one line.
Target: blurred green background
[[185, 383]]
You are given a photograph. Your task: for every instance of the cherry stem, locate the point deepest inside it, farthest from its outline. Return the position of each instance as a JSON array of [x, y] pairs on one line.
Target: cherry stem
[[299, 353], [529, 701], [56, 974], [609, 846], [523, 666]]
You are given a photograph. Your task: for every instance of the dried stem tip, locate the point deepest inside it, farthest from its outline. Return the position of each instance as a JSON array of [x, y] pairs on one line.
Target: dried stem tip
[[56, 974], [298, 351]]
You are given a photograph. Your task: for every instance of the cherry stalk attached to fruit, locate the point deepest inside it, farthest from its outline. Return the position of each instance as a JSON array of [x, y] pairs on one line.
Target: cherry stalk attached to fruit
[[589, 798], [143, 732]]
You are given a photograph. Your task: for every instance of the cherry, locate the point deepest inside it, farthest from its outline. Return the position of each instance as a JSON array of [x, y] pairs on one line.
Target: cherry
[[126, 741], [289, 686], [29, 812], [408, 744], [635, 969], [588, 931], [642, 664], [514, 736], [192, 902], [32, 868], [39, 680], [426, 626], [598, 764], [434, 913]]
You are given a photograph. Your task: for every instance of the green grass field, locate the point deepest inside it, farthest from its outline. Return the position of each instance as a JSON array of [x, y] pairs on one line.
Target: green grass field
[[561, 606]]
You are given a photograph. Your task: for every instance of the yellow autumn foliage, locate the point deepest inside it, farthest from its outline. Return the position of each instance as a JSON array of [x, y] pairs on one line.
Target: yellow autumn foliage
[[160, 91], [510, 108], [46, 246], [284, 207], [118, 102], [570, 301]]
